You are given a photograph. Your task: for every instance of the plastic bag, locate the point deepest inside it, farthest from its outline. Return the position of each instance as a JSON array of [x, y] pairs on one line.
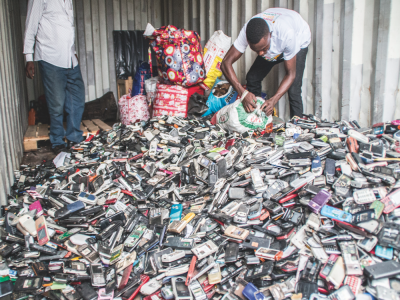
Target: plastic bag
[[151, 88], [133, 109], [179, 54], [197, 105], [217, 99], [214, 52], [172, 100], [129, 48], [233, 117]]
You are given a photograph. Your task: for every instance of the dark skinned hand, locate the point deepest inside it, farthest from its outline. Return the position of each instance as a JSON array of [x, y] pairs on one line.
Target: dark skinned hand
[[249, 102], [30, 69], [268, 106]]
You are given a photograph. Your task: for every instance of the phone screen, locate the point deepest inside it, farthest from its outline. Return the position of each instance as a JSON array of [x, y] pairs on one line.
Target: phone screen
[[97, 270], [181, 289], [6, 288]]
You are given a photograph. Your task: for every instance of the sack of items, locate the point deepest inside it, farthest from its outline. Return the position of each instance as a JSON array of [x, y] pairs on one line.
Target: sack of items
[[221, 95], [234, 118], [179, 54], [214, 52], [142, 74], [133, 109], [172, 100]]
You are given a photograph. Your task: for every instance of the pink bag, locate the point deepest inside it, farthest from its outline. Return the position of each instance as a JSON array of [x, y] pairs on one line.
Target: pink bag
[[172, 100], [133, 109]]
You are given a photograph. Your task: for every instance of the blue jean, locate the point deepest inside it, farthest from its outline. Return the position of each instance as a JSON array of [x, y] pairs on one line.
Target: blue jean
[[64, 89]]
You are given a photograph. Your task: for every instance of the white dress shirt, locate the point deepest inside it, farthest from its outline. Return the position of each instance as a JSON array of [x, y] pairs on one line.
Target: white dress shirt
[[50, 29]]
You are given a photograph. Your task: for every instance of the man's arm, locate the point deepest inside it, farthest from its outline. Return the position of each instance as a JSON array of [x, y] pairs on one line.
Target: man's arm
[[290, 68], [34, 14], [249, 102]]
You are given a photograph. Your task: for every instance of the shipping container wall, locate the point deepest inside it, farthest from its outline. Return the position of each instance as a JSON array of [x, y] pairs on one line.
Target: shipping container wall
[[13, 95], [353, 62], [95, 21]]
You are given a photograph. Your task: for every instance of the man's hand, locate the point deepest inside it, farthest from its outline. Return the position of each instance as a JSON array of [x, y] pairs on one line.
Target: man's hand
[[249, 102], [268, 106], [30, 69], [77, 58]]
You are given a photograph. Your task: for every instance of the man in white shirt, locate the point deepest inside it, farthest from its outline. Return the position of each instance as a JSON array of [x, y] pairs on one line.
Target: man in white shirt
[[49, 39], [276, 35]]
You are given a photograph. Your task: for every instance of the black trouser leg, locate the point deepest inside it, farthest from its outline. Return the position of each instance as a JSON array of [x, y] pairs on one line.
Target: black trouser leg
[[294, 92], [257, 73]]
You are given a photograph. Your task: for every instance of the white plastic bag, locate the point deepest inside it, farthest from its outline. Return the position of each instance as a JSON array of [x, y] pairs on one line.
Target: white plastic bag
[[233, 117], [151, 88], [214, 52]]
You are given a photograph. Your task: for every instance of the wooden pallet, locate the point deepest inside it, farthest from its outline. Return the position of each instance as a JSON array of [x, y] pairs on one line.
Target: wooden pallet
[[40, 132]]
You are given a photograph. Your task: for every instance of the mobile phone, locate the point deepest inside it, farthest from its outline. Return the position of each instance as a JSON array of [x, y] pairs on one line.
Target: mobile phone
[[176, 212], [327, 268], [97, 275], [319, 200], [236, 232], [231, 252], [270, 254], [350, 257], [335, 213], [180, 290], [205, 249], [6, 288], [197, 290], [42, 232], [384, 269], [241, 214]]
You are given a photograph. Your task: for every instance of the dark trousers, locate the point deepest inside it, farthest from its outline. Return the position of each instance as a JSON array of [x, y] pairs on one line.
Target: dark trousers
[[64, 90], [261, 68]]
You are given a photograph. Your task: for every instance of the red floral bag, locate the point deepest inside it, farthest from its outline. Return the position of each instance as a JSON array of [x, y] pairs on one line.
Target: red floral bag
[[172, 100], [133, 109], [179, 54]]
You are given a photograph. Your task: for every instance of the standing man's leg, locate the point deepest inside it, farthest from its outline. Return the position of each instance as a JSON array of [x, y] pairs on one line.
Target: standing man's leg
[[295, 101], [257, 73], [74, 104], [54, 82]]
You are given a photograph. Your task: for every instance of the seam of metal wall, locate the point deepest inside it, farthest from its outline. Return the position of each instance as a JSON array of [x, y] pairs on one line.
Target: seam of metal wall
[[13, 95]]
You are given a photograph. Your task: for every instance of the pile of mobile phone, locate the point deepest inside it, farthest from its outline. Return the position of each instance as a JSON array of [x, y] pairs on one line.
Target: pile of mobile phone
[[179, 208]]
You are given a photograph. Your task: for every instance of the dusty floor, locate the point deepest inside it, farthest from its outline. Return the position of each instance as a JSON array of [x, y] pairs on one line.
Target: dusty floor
[[44, 152]]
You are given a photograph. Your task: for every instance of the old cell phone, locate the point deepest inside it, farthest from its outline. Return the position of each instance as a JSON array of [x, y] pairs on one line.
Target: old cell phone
[[231, 252], [180, 290], [350, 256], [364, 196], [241, 214], [327, 268], [42, 232], [270, 254], [87, 198], [319, 200], [97, 275], [335, 213], [176, 212], [197, 290], [28, 284], [86, 291], [179, 243], [89, 253], [236, 232], [212, 174], [69, 209], [391, 201], [368, 243], [385, 269], [389, 236], [173, 256], [205, 249], [236, 193]]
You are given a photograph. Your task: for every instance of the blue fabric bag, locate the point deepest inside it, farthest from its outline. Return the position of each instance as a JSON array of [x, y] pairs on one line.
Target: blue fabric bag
[[143, 73]]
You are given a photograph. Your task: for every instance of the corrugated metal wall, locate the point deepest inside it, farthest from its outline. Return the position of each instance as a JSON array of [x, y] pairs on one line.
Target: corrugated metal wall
[[95, 21], [13, 95], [353, 63]]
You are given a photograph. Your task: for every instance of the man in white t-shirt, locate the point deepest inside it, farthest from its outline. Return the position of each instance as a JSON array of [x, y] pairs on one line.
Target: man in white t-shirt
[[276, 35]]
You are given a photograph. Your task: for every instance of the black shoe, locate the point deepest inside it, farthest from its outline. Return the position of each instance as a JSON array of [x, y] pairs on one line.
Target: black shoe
[[58, 149], [70, 144]]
